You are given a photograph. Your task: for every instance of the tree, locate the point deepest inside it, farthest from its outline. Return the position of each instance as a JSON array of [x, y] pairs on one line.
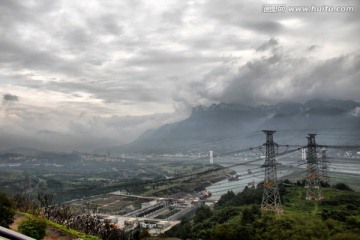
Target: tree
[[248, 216], [343, 186], [203, 213], [223, 232], [25, 203], [184, 229], [144, 234], [226, 198], [224, 214], [33, 227], [46, 202], [6, 211]]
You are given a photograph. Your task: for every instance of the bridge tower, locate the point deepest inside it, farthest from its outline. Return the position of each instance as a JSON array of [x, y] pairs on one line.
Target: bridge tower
[[271, 197], [313, 174]]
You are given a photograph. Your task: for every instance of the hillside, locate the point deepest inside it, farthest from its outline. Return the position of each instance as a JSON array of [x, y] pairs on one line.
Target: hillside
[[237, 217], [207, 125]]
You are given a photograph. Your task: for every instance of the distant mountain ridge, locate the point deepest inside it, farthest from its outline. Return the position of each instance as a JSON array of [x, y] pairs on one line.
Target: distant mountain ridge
[[225, 121]]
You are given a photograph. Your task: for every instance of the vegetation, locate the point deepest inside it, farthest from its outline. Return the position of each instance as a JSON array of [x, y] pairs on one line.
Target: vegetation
[[6, 211], [33, 227], [238, 216], [191, 182], [70, 179], [42, 212], [58, 215], [72, 232]]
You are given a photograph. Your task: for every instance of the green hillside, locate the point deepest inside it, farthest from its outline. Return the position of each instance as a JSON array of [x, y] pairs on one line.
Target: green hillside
[[238, 217]]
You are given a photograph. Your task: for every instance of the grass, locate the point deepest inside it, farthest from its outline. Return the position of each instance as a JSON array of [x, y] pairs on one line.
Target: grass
[[63, 228], [72, 231], [295, 202]]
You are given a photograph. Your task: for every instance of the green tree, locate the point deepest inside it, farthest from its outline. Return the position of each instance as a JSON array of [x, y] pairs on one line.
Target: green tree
[[33, 227], [224, 199], [6, 211], [343, 186], [247, 216], [346, 236], [203, 213], [185, 231], [223, 232], [203, 230], [274, 227], [224, 214], [248, 196], [353, 222], [231, 231]]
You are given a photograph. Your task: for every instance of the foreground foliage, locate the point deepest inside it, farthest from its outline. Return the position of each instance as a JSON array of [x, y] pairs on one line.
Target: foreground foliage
[[61, 215], [238, 216], [33, 227], [6, 211]]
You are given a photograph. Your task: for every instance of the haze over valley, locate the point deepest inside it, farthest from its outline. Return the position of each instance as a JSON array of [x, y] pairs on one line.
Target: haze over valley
[[180, 119]]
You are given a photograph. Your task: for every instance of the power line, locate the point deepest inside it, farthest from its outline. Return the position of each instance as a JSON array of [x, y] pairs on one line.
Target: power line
[[241, 136]]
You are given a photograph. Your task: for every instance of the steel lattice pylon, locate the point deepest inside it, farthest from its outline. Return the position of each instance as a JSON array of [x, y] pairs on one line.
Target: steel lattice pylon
[[271, 197], [313, 174], [324, 166]]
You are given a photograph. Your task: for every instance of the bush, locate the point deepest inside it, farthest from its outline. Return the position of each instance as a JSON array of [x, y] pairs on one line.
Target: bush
[[6, 211], [33, 227], [343, 186]]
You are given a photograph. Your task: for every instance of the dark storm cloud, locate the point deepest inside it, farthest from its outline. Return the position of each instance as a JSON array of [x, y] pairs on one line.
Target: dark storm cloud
[[18, 56], [51, 41], [268, 80], [130, 92], [10, 98], [12, 12], [337, 77], [280, 76], [108, 24], [313, 47], [80, 66], [225, 10], [175, 15], [265, 26], [249, 15], [250, 18], [227, 41], [268, 45], [155, 57], [77, 38]]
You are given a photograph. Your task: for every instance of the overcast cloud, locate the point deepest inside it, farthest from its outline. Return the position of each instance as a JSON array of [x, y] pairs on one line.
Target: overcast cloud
[[76, 75]]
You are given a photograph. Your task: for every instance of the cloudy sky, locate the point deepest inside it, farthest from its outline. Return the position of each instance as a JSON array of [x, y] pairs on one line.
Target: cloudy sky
[[76, 75]]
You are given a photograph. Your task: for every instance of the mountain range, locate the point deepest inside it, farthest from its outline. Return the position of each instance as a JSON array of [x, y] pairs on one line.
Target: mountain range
[[226, 127]]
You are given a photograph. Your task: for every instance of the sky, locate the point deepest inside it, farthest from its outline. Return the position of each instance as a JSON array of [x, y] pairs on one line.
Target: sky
[[77, 75]]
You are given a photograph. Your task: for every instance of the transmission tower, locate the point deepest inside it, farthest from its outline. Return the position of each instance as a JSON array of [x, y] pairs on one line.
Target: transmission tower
[[271, 197], [313, 177], [323, 166]]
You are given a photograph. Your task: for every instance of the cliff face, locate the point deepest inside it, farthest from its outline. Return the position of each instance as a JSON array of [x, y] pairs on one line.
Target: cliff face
[[224, 127]]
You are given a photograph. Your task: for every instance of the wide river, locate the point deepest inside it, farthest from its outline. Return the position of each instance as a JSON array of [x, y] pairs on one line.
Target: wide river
[[252, 174]]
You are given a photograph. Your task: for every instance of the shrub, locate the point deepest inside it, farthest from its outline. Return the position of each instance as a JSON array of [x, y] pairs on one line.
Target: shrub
[[6, 211], [33, 227], [343, 186]]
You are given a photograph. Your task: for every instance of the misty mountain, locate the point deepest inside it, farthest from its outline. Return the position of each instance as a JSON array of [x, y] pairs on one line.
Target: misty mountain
[[227, 127]]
